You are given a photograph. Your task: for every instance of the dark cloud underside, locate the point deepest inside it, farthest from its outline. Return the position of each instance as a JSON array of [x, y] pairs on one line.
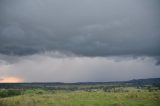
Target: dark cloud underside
[[85, 27]]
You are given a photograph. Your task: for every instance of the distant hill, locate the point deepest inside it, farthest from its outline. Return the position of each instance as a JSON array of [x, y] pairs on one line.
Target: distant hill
[[149, 81]]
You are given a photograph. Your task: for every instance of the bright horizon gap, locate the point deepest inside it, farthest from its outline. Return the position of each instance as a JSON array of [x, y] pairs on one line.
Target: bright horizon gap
[[45, 68], [73, 82], [10, 79]]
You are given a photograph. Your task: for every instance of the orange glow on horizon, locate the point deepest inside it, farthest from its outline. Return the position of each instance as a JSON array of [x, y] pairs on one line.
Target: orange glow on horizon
[[10, 80]]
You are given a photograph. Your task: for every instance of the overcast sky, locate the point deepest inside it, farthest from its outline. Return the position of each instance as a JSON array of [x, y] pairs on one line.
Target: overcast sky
[[83, 40]]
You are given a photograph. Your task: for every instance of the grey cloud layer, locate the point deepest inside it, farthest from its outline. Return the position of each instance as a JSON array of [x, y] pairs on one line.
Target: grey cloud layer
[[85, 27]]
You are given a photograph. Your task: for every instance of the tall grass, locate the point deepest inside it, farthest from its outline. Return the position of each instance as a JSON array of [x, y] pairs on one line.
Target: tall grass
[[38, 97]]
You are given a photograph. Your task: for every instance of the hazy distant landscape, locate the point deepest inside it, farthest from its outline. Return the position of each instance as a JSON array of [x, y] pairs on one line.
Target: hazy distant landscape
[[140, 92]]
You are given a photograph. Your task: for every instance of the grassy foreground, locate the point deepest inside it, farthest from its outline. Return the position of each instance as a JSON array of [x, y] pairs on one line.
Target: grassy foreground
[[133, 97]]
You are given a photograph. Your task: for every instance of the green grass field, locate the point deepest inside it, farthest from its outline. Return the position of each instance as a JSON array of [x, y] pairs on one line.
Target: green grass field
[[37, 97]]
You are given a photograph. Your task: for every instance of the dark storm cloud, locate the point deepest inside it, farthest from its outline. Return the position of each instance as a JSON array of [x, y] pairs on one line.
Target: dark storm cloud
[[86, 27], [158, 60]]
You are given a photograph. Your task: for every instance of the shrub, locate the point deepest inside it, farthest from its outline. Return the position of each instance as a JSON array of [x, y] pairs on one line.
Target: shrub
[[8, 93], [3, 93], [14, 92]]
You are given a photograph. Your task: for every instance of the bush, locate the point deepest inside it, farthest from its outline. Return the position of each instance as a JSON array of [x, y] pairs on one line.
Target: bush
[[3, 93], [8, 93], [14, 92]]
